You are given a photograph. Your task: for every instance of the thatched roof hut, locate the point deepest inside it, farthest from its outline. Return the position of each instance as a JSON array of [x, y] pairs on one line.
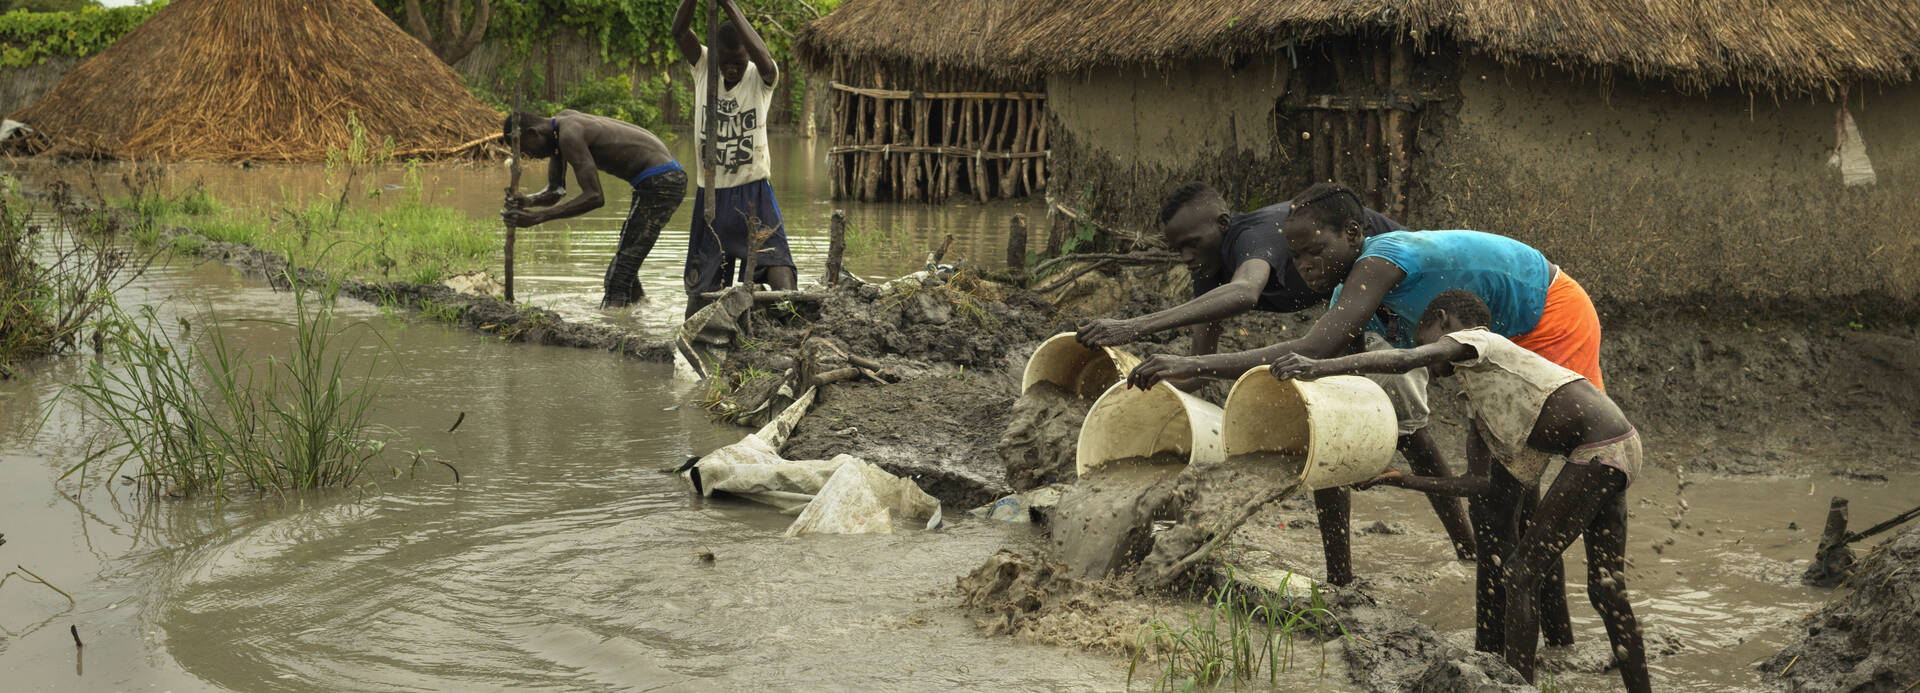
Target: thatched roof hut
[[1666, 151], [1785, 44], [268, 80]]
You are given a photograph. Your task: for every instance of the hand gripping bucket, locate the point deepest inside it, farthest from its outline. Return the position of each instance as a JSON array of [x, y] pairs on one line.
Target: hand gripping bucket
[[1085, 372], [1339, 430], [1126, 423]]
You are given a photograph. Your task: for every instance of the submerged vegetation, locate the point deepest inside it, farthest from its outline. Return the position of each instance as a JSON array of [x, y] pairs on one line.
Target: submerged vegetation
[[1236, 640], [195, 413], [356, 229], [58, 272]]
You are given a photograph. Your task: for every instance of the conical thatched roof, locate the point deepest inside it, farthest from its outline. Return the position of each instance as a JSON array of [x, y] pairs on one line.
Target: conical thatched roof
[[1775, 44], [230, 80]]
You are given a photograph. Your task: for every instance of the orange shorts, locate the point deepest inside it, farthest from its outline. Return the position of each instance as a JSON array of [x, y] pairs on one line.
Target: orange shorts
[[1569, 330]]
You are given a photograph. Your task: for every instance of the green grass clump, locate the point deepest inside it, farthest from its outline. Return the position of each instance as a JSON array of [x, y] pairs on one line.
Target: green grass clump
[[1237, 639], [201, 416]]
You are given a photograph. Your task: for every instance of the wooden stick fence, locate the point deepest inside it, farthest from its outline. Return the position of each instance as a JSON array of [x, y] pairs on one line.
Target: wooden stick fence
[[930, 146]]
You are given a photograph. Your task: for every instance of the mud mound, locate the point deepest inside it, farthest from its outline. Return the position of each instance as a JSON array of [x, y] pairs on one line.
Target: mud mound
[[1024, 595], [1218, 498], [964, 321], [1864, 640], [1042, 433], [512, 322], [932, 429], [1765, 399]]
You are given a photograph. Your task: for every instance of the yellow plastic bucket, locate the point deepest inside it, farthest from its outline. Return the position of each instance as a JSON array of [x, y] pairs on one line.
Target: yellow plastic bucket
[[1086, 372], [1338, 431], [1126, 423]]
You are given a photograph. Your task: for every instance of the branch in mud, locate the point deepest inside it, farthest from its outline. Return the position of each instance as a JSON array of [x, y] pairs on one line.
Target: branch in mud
[[1121, 258], [1076, 274]]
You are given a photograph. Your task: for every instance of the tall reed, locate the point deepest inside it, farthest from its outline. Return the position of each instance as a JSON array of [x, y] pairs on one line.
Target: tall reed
[[198, 415]]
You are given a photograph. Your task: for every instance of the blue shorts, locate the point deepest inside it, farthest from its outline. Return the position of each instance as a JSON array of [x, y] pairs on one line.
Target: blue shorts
[[712, 255]]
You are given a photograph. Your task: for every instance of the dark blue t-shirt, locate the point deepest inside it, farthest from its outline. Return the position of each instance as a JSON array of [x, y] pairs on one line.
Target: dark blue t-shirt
[[1256, 235]]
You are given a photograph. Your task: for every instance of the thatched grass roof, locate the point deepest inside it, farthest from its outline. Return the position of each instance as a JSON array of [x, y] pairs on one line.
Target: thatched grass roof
[[1771, 44], [274, 80]]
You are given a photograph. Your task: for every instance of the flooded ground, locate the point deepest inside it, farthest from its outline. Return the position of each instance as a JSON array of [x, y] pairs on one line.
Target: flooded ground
[[1720, 594], [559, 265], [564, 560]]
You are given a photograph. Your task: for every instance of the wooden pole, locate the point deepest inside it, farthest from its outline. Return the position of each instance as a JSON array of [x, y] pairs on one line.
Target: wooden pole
[[1833, 561], [1017, 244], [1398, 66], [710, 149], [513, 177], [836, 246]]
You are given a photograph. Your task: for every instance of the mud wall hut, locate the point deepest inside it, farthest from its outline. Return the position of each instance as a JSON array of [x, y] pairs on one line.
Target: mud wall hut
[[261, 80], [1667, 153]]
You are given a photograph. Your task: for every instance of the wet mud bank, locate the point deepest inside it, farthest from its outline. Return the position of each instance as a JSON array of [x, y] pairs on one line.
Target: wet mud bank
[[522, 323], [1863, 640]]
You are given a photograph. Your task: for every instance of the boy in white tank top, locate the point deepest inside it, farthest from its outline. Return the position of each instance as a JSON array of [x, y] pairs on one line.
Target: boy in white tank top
[[1525, 408]]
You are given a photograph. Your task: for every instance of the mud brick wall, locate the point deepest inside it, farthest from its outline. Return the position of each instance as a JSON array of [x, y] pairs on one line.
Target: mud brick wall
[[1652, 197], [1649, 195], [1123, 138]]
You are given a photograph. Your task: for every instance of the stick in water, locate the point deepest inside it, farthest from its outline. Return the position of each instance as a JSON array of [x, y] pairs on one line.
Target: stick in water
[[513, 184]]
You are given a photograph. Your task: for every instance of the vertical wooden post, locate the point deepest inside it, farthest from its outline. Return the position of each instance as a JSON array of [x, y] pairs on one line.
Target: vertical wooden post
[[1017, 245], [1057, 235], [1833, 561], [836, 246], [1398, 140]]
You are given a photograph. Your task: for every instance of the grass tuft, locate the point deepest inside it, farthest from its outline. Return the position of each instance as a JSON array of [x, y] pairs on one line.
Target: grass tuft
[[1237, 639]]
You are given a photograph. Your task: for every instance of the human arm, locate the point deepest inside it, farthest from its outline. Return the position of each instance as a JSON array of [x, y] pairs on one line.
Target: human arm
[[556, 187], [1300, 366], [1224, 301], [756, 47], [1366, 287], [573, 152], [1476, 482], [683, 35]]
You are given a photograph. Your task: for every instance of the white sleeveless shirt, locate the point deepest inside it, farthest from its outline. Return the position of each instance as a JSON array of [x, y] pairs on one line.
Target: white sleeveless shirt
[[1506, 386], [742, 130]]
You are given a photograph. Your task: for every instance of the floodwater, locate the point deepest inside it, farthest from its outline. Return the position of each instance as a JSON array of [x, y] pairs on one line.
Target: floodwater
[[1721, 594], [564, 559], [559, 265]]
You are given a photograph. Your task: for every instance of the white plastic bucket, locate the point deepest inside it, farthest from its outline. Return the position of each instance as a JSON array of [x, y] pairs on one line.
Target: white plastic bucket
[[1127, 423], [1086, 372], [1339, 430]]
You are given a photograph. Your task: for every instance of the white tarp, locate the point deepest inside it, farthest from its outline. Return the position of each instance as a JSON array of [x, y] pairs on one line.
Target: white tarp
[[844, 495]]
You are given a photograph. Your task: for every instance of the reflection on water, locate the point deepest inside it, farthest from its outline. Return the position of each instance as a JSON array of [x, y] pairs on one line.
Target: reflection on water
[[565, 560], [560, 265]]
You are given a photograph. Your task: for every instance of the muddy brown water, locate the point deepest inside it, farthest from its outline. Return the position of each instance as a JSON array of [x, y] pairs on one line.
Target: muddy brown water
[[1720, 595], [563, 561], [1105, 521], [559, 265]]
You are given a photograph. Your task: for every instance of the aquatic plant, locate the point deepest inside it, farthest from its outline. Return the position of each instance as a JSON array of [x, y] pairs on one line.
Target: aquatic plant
[[199, 415], [1234, 640], [57, 274]]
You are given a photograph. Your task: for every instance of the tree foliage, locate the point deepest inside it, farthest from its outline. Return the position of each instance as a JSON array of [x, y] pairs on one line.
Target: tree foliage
[[29, 37]]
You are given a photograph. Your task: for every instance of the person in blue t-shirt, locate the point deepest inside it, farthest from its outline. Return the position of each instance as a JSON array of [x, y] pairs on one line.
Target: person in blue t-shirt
[[1240, 263], [1530, 301]]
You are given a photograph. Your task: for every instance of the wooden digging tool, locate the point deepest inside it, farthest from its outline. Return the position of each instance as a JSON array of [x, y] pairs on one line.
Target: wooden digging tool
[[709, 149], [513, 177]]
